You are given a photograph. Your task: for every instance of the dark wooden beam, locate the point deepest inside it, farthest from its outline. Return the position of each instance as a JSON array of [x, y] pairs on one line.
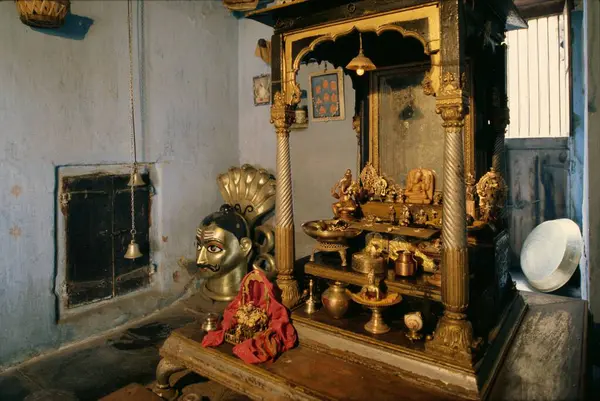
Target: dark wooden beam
[[592, 125], [539, 8]]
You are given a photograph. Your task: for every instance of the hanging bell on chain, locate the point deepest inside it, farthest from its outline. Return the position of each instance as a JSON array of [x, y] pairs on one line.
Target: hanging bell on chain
[[133, 250], [136, 179]]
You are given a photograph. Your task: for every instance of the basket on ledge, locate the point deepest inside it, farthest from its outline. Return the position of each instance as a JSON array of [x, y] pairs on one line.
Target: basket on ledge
[[43, 13], [240, 5]]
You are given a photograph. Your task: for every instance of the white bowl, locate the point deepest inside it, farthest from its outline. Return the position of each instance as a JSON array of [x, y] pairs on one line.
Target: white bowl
[[551, 254]]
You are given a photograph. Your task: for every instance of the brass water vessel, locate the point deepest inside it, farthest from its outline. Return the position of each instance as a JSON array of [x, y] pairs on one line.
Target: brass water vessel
[[406, 265]]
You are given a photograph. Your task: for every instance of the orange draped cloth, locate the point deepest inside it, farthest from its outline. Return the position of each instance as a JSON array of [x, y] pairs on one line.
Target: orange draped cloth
[[280, 335]]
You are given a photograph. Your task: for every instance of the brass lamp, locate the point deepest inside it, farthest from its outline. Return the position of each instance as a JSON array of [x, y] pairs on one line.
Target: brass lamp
[[361, 63]]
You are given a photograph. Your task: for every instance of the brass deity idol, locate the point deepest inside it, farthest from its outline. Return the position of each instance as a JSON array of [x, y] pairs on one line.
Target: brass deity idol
[[392, 215], [373, 297], [491, 190], [224, 244], [346, 206], [372, 290], [419, 186]]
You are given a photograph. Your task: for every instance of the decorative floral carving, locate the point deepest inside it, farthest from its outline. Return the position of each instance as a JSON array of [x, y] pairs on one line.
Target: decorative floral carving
[[281, 115], [492, 191], [450, 85], [454, 336], [284, 23], [427, 84]]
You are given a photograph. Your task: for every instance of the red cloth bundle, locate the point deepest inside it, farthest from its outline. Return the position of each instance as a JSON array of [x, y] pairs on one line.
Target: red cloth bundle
[[280, 335]]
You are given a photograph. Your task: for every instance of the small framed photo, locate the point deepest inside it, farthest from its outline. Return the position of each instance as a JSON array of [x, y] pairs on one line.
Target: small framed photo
[[262, 89], [326, 95]]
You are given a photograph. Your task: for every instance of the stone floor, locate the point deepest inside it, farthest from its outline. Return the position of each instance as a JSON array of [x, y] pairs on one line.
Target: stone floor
[[97, 368]]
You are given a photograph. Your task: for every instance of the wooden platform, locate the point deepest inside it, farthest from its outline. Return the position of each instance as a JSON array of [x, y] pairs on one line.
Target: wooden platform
[[546, 361]]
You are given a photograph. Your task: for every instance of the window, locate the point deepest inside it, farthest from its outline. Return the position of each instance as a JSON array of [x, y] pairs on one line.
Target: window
[[97, 221], [539, 78]]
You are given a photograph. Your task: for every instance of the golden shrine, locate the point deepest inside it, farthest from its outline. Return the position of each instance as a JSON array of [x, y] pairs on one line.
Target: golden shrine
[[413, 265]]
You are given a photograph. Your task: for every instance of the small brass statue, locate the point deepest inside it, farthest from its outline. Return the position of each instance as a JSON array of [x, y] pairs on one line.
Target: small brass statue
[[372, 291], [224, 245], [419, 186], [405, 217], [421, 218], [392, 215], [345, 207], [380, 188], [398, 192]]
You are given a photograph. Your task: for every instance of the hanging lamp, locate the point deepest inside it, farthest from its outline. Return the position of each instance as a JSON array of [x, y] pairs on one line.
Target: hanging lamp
[[135, 180], [361, 63]]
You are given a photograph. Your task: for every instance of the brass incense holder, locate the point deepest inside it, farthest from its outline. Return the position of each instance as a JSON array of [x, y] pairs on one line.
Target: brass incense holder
[[377, 325], [210, 323]]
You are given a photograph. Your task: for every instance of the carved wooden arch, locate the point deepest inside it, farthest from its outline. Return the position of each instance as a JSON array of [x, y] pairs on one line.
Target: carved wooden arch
[[333, 37], [377, 24]]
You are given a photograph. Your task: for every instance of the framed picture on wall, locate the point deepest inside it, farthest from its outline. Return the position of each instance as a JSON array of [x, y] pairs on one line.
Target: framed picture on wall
[[326, 95], [262, 89]]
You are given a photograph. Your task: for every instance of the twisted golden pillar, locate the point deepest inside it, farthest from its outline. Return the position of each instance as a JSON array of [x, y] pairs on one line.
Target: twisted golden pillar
[[282, 118], [453, 336]]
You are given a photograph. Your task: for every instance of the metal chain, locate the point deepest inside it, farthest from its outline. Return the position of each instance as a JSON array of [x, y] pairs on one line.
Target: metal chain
[[131, 117]]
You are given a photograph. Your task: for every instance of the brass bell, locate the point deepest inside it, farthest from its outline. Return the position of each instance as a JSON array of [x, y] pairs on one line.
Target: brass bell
[[136, 179], [133, 250]]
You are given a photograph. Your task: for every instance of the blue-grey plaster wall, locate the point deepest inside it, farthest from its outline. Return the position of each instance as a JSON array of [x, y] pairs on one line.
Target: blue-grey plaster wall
[[65, 102], [257, 137], [311, 148]]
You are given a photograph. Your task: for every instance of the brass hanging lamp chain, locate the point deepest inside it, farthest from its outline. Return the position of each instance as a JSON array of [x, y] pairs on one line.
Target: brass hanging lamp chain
[[360, 49], [131, 116]]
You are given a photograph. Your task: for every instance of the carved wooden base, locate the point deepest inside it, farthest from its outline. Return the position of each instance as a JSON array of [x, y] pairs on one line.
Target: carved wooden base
[[165, 369], [453, 338], [456, 373]]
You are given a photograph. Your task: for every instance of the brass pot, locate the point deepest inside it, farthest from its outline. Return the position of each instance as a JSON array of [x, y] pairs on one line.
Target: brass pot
[[336, 300], [406, 265]]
